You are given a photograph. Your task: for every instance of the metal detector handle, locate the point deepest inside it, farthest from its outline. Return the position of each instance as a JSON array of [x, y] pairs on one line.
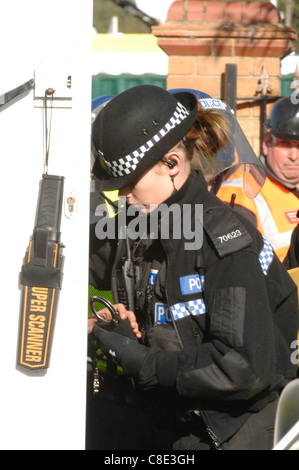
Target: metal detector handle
[[115, 316], [49, 207]]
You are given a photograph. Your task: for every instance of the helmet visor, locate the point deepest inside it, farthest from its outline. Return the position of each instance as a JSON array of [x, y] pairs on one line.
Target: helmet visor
[[237, 152]]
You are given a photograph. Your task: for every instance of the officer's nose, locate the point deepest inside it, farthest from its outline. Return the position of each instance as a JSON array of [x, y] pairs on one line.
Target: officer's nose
[[294, 153]]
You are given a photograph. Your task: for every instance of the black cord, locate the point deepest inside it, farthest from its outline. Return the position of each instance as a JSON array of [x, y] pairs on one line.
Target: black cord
[[51, 92]]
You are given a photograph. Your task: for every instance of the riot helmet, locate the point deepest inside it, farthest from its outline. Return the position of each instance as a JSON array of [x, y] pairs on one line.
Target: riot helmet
[[237, 151], [283, 121]]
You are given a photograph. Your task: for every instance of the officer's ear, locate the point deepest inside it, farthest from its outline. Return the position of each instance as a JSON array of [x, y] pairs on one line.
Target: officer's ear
[[174, 161]]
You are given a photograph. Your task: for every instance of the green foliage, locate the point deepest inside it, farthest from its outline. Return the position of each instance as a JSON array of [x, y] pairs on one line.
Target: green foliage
[[295, 24], [104, 10]]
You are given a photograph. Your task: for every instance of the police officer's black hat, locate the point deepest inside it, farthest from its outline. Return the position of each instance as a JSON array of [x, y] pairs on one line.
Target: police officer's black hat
[[283, 120], [136, 129]]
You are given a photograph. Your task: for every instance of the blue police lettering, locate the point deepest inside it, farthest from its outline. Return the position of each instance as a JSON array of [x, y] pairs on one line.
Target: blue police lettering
[[212, 103], [191, 284], [194, 283], [153, 276], [162, 314]]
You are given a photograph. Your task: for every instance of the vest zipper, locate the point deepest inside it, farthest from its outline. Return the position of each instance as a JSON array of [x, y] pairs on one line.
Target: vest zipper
[[214, 438], [196, 329]]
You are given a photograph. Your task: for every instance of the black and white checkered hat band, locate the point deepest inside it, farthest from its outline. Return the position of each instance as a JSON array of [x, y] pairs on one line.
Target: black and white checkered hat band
[[126, 165]]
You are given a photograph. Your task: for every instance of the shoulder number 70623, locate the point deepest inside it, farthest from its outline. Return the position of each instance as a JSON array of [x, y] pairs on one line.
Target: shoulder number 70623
[[230, 236]]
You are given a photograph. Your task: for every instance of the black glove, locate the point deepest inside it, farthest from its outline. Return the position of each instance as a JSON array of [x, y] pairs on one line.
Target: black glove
[[124, 351], [139, 362]]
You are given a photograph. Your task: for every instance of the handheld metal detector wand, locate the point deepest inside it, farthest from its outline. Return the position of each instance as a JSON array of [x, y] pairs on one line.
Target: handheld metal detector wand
[[41, 275]]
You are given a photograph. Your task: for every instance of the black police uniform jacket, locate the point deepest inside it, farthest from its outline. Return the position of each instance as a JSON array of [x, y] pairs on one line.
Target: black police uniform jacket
[[236, 326]]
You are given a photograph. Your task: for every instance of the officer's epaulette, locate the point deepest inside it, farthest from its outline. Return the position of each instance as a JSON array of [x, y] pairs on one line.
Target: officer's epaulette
[[224, 228]]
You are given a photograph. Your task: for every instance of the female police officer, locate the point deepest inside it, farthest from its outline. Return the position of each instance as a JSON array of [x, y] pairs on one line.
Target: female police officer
[[214, 320]]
